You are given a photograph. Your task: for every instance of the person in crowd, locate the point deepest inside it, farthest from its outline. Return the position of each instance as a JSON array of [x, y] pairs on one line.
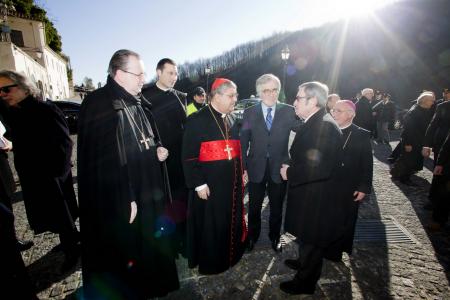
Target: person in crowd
[[415, 123], [355, 174], [15, 281], [437, 129], [213, 171], [331, 101], [169, 107], [264, 139], [441, 192], [364, 117], [126, 234], [384, 112], [42, 158], [7, 184], [199, 100], [313, 214]]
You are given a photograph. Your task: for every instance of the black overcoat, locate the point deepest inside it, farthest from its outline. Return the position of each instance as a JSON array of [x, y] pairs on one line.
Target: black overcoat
[[313, 213], [42, 157]]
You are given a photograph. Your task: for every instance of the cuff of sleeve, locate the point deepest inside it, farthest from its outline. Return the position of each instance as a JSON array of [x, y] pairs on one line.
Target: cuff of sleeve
[[200, 187]]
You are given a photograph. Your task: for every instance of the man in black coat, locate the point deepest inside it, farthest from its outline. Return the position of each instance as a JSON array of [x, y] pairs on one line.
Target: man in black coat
[[264, 140], [415, 123], [364, 117], [313, 214], [125, 232], [355, 174], [441, 192], [42, 157], [169, 107], [437, 130]]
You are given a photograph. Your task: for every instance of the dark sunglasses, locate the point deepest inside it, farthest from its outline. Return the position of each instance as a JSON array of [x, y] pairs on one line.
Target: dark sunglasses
[[7, 88]]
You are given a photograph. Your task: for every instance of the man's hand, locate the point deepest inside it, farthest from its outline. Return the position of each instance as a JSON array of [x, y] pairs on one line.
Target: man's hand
[[426, 152], [358, 196], [438, 170], [162, 153], [8, 144], [245, 177], [283, 171], [133, 211], [408, 148], [203, 193]]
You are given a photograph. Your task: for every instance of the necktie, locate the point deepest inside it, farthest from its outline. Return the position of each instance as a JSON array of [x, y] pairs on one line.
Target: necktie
[[269, 118]]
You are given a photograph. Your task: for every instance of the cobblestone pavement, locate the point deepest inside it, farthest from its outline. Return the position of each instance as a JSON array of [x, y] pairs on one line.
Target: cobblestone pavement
[[419, 269]]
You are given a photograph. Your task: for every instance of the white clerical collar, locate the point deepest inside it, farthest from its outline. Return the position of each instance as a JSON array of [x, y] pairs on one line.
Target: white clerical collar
[[309, 117], [158, 85], [221, 114]]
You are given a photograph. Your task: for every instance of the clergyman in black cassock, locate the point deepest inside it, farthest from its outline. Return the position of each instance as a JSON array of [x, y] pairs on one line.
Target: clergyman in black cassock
[[355, 175], [415, 125], [126, 251], [213, 169], [169, 111]]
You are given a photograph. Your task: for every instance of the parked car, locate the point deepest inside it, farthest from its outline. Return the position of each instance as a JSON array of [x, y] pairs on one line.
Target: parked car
[[70, 110], [242, 104]]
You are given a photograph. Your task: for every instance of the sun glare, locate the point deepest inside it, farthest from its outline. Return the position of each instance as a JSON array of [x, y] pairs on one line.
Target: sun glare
[[355, 8]]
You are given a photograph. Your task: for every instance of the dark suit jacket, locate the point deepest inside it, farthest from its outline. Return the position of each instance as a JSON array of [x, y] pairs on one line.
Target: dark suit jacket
[[438, 129], [257, 141], [364, 117], [313, 212]]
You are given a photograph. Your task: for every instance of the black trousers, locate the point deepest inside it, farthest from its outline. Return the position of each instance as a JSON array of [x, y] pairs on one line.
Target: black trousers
[[440, 198], [276, 193], [311, 260]]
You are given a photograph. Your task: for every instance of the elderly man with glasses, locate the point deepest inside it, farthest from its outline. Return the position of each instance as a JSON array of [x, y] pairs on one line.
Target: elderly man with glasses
[[264, 139], [313, 212], [122, 195]]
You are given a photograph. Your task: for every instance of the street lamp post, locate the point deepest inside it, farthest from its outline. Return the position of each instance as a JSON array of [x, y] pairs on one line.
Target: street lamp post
[[207, 72], [284, 56]]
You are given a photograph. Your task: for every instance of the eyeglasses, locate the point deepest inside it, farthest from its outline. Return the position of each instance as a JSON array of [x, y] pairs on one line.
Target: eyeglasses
[[338, 111], [137, 75], [298, 98], [232, 95], [270, 91], [7, 88]]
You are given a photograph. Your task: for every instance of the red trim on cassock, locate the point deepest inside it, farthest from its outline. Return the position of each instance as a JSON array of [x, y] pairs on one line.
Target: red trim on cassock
[[215, 150]]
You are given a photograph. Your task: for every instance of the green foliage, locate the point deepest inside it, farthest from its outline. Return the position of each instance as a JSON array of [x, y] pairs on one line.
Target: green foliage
[[29, 9]]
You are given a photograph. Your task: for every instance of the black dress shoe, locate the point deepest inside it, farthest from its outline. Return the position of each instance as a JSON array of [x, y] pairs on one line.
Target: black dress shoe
[[24, 245], [295, 287], [250, 245], [276, 245], [407, 181], [71, 258], [294, 264]]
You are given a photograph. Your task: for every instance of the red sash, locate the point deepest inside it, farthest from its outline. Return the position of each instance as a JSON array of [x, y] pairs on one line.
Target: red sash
[[219, 150]]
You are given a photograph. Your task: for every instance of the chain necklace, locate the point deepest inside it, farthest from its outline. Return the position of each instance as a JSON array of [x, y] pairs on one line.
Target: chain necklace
[[225, 136], [144, 140], [346, 141]]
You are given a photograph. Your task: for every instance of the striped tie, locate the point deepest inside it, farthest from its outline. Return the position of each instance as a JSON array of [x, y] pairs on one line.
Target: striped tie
[[269, 118]]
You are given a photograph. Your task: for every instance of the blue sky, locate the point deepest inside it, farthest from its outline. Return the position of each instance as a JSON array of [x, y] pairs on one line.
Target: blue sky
[[182, 30]]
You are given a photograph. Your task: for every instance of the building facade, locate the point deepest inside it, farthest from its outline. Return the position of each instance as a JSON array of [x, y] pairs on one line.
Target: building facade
[[23, 49]]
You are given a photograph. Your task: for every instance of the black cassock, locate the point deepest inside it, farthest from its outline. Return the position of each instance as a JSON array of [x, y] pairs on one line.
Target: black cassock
[[117, 164], [355, 174], [216, 227], [415, 124], [42, 158], [169, 111]]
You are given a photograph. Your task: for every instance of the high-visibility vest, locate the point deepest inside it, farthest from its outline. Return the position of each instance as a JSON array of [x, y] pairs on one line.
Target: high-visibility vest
[[191, 108]]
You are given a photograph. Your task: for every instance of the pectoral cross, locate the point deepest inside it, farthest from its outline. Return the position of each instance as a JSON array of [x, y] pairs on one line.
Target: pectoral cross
[[228, 150], [145, 141]]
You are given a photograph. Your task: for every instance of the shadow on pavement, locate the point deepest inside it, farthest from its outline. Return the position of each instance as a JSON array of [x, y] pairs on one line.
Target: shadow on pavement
[[440, 240]]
